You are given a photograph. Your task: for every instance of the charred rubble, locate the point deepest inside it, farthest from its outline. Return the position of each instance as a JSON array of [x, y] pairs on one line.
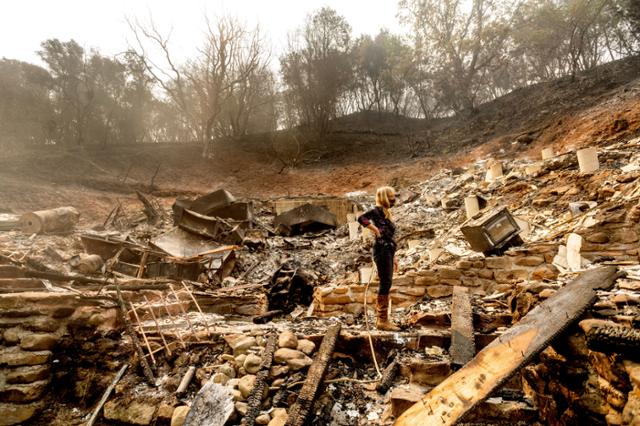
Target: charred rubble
[[518, 289]]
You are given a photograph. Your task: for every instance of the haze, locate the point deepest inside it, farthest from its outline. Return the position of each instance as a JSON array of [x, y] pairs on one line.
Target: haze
[[25, 24]]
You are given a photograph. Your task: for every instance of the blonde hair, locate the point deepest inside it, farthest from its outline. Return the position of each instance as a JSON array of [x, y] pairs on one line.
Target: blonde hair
[[382, 199]]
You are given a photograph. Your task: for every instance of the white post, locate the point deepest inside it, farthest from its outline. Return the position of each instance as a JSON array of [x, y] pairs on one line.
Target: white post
[[547, 153], [471, 206], [588, 160]]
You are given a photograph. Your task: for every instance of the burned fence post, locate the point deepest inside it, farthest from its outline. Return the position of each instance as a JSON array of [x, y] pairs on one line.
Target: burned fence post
[[254, 401], [307, 395], [463, 346]]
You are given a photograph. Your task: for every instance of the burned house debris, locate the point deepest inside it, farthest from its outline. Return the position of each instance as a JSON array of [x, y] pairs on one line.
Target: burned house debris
[[518, 300]]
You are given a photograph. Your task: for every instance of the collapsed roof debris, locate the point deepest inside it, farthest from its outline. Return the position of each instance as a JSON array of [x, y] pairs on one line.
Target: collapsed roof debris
[[498, 265]]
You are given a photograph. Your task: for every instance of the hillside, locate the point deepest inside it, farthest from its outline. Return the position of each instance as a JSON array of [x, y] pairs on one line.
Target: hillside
[[363, 151]]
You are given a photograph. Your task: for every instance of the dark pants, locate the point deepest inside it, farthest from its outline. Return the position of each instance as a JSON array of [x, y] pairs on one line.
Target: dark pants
[[383, 256]]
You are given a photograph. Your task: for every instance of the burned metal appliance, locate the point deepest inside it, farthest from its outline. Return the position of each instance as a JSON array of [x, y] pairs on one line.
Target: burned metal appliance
[[217, 204], [493, 232], [304, 218]]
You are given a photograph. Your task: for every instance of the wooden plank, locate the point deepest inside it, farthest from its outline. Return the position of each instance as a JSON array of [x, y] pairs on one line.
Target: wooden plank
[[463, 346], [450, 400], [300, 410]]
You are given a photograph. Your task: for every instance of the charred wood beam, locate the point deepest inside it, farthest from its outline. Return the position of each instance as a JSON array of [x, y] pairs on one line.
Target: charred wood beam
[[495, 364], [149, 210], [463, 346], [388, 376], [254, 401], [610, 337], [300, 410]]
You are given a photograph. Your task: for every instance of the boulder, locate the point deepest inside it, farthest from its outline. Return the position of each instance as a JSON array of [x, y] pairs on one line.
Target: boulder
[[245, 385], [252, 363], [263, 419], [14, 357], [38, 342], [26, 374], [288, 339], [23, 392], [13, 414], [284, 355], [179, 415], [228, 370], [240, 343], [299, 364], [279, 417], [135, 413], [306, 346]]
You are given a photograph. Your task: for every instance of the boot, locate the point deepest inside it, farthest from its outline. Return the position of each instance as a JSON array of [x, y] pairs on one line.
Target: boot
[[382, 310]]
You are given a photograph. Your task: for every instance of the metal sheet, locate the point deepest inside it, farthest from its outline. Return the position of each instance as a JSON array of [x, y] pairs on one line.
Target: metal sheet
[[180, 243]]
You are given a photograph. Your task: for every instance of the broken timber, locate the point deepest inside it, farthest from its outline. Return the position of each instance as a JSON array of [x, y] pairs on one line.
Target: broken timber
[[212, 406], [463, 346], [455, 396], [304, 403]]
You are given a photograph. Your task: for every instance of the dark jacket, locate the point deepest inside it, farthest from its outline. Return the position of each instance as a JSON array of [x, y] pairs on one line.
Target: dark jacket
[[385, 226]]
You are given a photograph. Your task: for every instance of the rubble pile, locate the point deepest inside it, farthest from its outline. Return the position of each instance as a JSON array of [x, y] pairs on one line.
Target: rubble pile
[[262, 310]]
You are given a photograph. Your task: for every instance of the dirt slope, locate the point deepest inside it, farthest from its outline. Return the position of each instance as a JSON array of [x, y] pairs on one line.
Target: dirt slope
[[364, 151]]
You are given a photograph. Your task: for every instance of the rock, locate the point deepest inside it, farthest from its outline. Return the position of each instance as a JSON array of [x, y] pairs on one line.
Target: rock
[[240, 343], [279, 417], [299, 364], [237, 395], [165, 412], [486, 274], [631, 411], [240, 360], [306, 346], [44, 324], [13, 335], [14, 357], [501, 262], [633, 370], [241, 408], [13, 414], [547, 293], [448, 273], [277, 383], [252, 363], [179, 415], [288, 339], [227, 370], [438, 291], [529, 260], [263, 419], [284, 355], [598, 238], [38, 342], [220, 378], [228, 358], [278, 370], [510, 276], [23, 392], [26, 374], [464, 264], [245, 385], [135, 413]]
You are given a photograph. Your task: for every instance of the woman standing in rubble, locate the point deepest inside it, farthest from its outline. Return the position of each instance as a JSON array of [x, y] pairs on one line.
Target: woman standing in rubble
[[378, 220]]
